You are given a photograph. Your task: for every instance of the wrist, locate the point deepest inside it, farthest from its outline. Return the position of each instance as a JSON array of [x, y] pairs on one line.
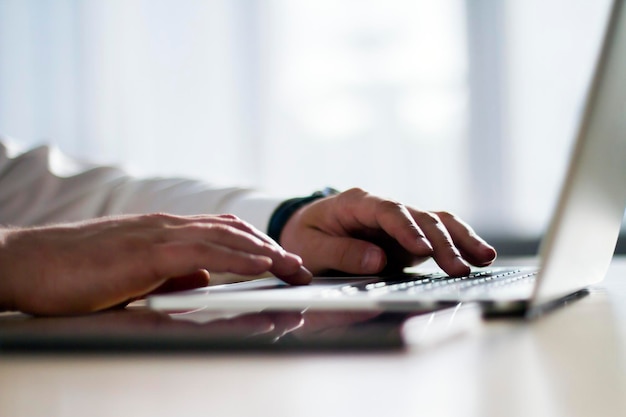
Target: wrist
[[288, 208]]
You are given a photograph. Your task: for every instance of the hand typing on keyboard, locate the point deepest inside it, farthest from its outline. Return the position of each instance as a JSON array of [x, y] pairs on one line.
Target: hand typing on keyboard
[[358, 233], [95, 264]]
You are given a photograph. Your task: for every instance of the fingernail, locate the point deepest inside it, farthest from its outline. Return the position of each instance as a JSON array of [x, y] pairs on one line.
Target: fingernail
[[293, 257], [463, 267], [306, 274], [302, 277], [424, 242], [371, 260]]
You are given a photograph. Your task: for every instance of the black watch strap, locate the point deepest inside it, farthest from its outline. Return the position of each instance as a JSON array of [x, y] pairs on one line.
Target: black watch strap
[[286, 209]]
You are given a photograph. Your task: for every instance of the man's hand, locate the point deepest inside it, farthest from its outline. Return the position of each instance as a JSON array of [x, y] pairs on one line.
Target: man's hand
[[358, 233], [89, 266]]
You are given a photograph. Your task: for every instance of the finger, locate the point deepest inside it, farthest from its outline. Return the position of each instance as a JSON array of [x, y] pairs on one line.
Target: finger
[[191, 281], [473, 248], [182, 258], [244, 226], [225, 219], [445, 252], [301, 276], [164, 221], [379, 214], [220, 234], [346, 254], [284, 265]]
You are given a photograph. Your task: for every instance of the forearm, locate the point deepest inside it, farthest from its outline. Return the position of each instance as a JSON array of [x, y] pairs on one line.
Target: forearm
[[42, 186]]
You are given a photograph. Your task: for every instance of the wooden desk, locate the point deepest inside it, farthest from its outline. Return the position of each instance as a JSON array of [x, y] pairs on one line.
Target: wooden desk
[[570, 363]]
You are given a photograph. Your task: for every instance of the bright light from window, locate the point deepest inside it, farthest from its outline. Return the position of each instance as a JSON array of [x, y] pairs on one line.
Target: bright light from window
[[374, 92]]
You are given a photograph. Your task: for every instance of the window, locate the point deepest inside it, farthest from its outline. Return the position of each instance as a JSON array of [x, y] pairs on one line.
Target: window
[[468, 106]]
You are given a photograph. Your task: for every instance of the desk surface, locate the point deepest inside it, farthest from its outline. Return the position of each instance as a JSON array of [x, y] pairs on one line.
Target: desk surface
[[569, 363]]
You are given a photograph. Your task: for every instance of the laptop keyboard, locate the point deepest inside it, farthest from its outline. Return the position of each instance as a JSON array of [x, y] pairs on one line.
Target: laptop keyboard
[[477, 281]]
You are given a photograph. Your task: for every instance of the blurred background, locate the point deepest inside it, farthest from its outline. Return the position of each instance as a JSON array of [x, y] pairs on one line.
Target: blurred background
[[465, 105]]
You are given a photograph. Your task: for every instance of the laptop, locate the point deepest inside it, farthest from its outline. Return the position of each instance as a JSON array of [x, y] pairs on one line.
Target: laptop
[[575, 252]]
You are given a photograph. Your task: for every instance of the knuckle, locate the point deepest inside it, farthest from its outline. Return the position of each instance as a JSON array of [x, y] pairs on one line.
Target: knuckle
[[356, 190], [228, 216], [354, 193], [446, 215], [224, 232], [430, 218], [194, 229], [392, 207], [221, 230], [158, 217], [236, 222]]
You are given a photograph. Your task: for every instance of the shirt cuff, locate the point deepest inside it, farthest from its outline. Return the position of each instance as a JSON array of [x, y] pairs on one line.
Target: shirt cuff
[[254, 208]]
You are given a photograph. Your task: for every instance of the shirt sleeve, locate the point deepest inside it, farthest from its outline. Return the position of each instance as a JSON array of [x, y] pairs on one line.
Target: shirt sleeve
[[43, 186]]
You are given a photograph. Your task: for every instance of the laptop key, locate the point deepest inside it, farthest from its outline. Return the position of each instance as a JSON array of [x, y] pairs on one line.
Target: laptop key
[[440, 283]]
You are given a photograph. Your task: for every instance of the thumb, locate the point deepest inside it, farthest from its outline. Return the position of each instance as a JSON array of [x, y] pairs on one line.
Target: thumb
[[349, 255], [197, 279]]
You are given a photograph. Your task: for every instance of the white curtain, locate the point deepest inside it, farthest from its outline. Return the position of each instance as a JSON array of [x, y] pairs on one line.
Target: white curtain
[[159, 86], [290, 96]]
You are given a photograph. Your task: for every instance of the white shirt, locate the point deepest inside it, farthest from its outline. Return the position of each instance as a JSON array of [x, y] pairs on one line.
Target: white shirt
[[42, 186]]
